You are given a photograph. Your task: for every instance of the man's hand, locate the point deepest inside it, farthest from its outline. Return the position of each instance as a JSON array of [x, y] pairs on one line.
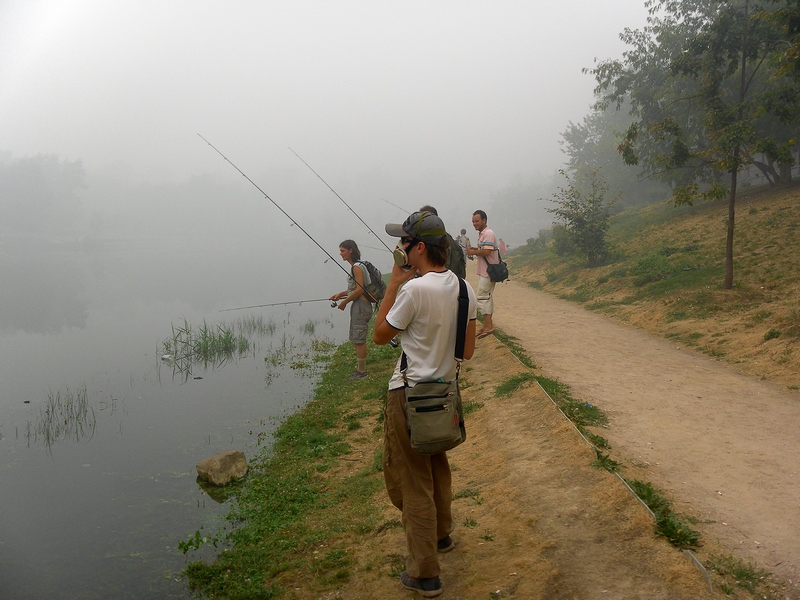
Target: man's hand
[[400, 275]]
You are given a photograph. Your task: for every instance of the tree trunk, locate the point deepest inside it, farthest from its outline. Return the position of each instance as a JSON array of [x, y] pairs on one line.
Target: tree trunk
[[728, 284], [768, 171], [786, 172]]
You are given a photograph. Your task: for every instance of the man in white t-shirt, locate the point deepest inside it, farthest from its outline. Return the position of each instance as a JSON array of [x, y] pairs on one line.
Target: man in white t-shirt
[[425, 310]]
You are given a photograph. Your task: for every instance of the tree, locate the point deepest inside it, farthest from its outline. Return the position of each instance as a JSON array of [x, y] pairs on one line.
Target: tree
[[592, 144], [583, 212], [787, 19], [705, 87]]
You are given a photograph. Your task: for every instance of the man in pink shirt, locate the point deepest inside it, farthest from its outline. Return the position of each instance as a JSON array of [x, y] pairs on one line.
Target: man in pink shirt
[[487, 252]]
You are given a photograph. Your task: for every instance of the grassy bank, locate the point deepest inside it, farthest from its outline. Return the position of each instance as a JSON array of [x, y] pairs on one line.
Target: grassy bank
[[295, 514], [666, 271]]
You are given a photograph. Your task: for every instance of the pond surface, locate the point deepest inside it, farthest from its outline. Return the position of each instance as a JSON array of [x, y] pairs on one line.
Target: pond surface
[[99, 435]]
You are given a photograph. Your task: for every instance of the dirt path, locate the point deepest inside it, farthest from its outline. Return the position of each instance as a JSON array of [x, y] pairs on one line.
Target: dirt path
[[534, 519], [724, 446]]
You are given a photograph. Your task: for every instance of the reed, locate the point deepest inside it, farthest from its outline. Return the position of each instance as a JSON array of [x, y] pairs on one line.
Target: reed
[[213, 345], [66, 415]]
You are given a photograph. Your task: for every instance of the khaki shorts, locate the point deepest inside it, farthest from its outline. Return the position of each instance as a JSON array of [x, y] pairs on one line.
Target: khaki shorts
[[360, 314], [485, 292]]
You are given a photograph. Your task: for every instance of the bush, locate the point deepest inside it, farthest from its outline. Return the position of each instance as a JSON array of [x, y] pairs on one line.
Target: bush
[[583, 214], [562, 241]]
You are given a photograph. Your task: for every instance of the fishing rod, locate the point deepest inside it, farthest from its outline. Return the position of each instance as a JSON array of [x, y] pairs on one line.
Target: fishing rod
[[340, 198], [255, 185], [281, 304]]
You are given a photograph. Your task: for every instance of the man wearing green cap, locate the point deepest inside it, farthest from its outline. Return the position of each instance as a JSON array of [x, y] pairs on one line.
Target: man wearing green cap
[[425, 310]]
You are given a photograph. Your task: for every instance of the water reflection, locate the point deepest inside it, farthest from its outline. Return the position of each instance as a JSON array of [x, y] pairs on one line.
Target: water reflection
[[118, 448], [41, 295]]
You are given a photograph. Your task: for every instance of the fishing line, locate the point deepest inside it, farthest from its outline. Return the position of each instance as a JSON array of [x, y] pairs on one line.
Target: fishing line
[[340, 198], [374, 248], [395, 205], [285, 213], [280, 304]]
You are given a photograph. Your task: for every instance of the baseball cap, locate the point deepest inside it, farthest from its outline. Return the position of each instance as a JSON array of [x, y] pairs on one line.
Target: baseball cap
[[423, 226]]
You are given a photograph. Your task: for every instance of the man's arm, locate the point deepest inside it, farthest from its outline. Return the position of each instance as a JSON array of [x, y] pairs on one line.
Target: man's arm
[[473, 251], [383, 332], [469, 343], [485, 246]]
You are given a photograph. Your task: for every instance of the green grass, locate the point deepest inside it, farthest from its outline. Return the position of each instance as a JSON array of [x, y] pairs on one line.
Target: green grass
[[473, 493], [735, 573], [581, 413], [668, 524], [512, 344], [514, 383], [287, 508], [604, 461]]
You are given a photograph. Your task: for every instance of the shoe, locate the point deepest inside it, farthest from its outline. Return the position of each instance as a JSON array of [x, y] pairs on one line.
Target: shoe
[[358, 375], [429, 588], [393, 342], [445, 544]]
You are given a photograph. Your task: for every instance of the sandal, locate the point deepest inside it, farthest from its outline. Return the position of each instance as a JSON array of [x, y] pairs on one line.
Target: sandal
[[484, 334]]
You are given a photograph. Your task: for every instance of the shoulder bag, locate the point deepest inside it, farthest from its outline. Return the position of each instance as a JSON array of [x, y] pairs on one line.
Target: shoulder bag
[[499, 272], [433, 408]]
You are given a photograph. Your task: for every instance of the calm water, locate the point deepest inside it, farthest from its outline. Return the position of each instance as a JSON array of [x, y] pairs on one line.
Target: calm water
[[97, 511]]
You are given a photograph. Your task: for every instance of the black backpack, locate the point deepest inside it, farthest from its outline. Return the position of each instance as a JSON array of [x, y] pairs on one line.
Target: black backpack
[[376, 286], [455, 258]]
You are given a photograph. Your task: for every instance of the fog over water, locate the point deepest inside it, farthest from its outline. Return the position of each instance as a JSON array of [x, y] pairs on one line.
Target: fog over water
[[118, 222], [443, 102]]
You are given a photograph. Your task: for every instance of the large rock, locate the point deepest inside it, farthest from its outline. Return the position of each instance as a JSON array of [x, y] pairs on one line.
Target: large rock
[[223, 467]]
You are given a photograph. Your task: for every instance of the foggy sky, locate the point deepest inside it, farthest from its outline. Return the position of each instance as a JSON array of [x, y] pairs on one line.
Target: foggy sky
[[460, 94]]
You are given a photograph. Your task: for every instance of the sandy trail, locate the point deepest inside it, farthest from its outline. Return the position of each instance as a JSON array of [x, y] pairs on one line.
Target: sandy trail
[[722, 444]]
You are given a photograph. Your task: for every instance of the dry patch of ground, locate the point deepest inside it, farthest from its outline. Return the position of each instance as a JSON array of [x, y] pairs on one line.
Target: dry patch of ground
[[720, 444], [536, 520]]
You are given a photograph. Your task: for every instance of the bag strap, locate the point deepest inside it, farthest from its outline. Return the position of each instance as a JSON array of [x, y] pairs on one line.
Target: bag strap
[[463, 313], [461, 330], [499, 256]]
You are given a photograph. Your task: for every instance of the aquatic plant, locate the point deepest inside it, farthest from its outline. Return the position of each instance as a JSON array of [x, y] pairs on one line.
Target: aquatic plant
[[209, 345], [66, 415], [214, 345]]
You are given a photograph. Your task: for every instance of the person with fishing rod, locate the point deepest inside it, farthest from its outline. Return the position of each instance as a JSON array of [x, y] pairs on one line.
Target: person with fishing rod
[[429, 309], [361, 308]]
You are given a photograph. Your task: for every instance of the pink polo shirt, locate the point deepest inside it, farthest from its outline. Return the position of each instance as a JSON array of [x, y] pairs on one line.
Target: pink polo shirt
[[486, 239]]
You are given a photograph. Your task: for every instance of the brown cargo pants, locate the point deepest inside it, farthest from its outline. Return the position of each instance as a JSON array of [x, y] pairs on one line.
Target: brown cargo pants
[[420, 486]]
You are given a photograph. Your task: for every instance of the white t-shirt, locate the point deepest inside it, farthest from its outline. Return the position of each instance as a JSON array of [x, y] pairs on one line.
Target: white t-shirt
[[426, 311]]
